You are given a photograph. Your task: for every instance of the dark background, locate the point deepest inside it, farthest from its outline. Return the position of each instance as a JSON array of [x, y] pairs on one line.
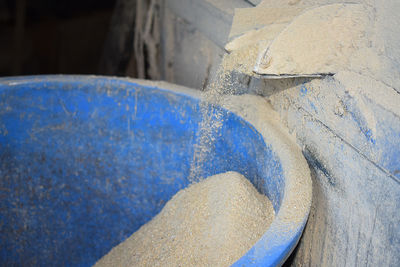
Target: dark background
[[54, 36]]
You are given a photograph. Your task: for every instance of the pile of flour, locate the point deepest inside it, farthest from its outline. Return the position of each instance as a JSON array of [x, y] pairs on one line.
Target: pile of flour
[[210, 223]]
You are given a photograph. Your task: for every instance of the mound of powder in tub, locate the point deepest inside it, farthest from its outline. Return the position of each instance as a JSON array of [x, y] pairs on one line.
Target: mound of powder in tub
[[210, 223]]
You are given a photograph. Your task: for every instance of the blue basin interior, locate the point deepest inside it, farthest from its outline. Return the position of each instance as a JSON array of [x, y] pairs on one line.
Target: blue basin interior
[[85, 161]]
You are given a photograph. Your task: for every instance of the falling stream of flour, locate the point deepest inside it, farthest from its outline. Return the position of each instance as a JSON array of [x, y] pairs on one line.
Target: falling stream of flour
[[226, 81]]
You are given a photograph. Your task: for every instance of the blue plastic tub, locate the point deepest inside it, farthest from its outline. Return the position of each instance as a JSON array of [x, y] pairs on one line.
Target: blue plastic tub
[[85, 161]]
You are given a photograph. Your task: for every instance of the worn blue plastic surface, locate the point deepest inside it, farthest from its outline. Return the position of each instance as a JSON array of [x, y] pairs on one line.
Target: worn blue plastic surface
[[85, 161]]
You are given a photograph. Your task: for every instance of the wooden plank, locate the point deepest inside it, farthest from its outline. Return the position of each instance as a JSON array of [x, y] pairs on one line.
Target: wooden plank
[[354, 218]]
